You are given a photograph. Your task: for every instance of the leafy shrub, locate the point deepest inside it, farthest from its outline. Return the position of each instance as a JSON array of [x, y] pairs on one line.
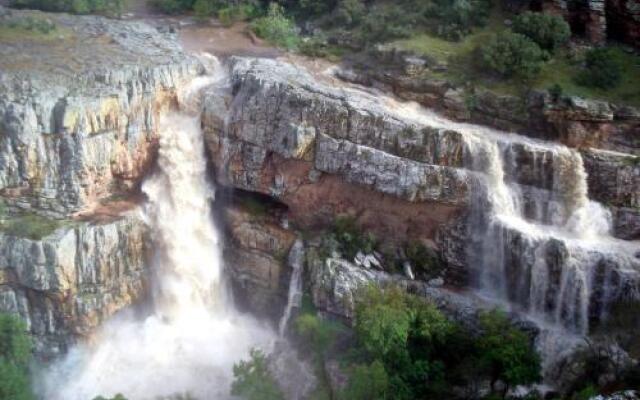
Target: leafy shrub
[[15, 355], [315, 331], [405, 334], [588, 392], [367, 382], [556, 92], [384, 23], [276, 28], [425, 261], [424, 355], [512, 55], [43, 26], [242, 12], [116, 397], [548, 31], [309, 8], [349, 13], [506, 353], [455, 19], [204, 9], [603, 68], [351, 239], [253, 380]]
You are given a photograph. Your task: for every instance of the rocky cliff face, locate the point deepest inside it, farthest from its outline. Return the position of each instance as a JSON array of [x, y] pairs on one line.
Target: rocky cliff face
[[79, 113], [322, 148], [67, 283], [81, 122], [256, 252], [324, 151]]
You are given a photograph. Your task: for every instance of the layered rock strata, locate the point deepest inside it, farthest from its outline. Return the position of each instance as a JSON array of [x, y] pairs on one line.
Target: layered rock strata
[[67, 283], [81, 122]]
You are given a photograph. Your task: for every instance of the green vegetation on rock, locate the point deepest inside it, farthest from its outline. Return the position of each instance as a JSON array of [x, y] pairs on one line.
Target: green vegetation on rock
[[30, 226], [351, 239], [603, 68], [548, 31], [15, 356], [513, 55], [424, 354], [253, 380], [277, 28]]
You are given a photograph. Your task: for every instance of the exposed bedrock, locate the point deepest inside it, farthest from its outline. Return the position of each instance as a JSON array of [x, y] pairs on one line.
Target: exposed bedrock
[[574, 121], [323, 152], [408, 174], [73, 133], [67, 283], [256, 251], [78, 131]]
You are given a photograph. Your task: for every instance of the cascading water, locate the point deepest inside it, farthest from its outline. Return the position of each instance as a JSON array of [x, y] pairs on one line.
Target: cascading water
[[538, 244], [190, 342], [295, 261]]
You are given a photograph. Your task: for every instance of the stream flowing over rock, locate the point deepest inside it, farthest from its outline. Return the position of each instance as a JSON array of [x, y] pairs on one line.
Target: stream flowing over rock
[[513, 212]]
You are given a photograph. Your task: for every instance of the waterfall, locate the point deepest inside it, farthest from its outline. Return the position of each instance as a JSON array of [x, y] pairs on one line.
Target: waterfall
[[295, 261], [190, 341], [537, 243]]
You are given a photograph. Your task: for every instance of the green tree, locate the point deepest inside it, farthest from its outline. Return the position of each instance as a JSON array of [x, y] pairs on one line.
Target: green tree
[[314, 331], [506, 353], [603, 68], [548, 31], [382, 321], [367, 382], [253, 380], [405, 333], [350, 13], [277, 28], [512, 55], [15, 355], [204, 9]]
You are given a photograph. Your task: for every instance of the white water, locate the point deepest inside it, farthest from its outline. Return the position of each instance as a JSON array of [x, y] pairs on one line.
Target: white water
[[295, 261], [516, 226], [192, 339]]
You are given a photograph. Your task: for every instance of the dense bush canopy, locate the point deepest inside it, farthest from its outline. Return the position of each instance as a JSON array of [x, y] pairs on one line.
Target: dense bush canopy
[[512, 55], [548, 31], [603, 68]]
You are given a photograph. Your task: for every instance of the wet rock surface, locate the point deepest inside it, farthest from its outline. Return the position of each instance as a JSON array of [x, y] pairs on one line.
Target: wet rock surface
[[66, 284]]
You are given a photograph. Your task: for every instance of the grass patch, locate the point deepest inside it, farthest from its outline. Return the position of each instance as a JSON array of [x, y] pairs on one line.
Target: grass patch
[[30, 226], [12, 33], [562, 69]]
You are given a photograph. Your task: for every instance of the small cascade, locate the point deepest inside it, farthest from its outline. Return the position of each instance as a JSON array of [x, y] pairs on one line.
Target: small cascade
[[294, 299], [538, 244]]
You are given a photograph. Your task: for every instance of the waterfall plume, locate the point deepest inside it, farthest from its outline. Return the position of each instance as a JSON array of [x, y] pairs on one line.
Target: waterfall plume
[[190, 341]]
